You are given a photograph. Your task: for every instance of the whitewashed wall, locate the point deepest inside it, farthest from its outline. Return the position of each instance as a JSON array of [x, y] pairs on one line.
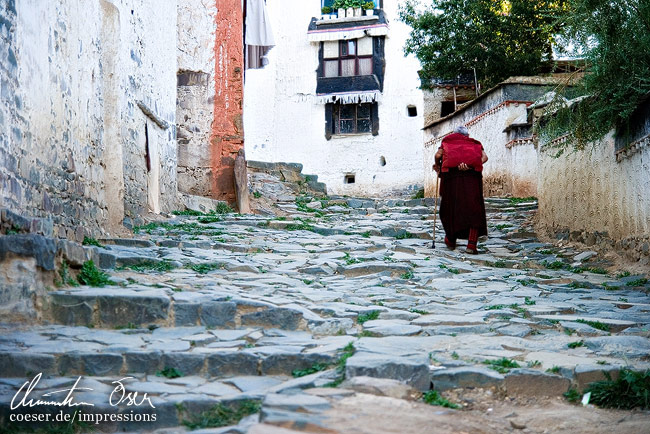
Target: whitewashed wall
[[589, 191], [77, 71], [509, 170], [284, 123]]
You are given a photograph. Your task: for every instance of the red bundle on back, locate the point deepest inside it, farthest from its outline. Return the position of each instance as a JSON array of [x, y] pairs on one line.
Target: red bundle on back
[[461, 149]]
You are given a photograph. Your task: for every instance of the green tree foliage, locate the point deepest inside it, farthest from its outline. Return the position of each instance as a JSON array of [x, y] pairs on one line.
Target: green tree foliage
[[614, 37], [498, 38]]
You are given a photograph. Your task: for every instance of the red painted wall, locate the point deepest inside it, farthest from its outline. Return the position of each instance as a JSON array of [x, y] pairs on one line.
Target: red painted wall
[[227, 136]]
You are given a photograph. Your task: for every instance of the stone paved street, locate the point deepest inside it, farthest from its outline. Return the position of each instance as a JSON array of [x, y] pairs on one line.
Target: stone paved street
[[337, 290]]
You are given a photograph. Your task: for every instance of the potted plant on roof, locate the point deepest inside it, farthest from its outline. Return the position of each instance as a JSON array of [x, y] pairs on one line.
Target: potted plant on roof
[[369, 8], [339, 6], [326, 11], [357, 6]]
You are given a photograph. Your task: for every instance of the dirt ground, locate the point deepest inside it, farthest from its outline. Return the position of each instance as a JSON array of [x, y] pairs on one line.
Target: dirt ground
[[482, 412]]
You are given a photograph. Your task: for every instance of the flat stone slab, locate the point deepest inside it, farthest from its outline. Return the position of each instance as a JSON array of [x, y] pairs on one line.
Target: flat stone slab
[[413, 371], [465, 376], [529, 382]]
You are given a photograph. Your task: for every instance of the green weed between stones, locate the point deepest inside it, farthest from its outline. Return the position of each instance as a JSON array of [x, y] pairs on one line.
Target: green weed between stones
[[595, 324], [553, 370], [316, 367], [257, 194], [502, 365], [421, 312], [577, 344], [502, 227], [89, 241], [576, 285], [92, 276], [205, 268], [534, 364], [348, 351], [406, 276], [637, 282], [518, 200], [223, 415], [432, 397], [66, 276], [623, 274], [363, 317], [404, 235], [572, 395], [188, 212], [169, 373], [529, 302], [161, 266], [526, 282], [630, 390], [366, 234]]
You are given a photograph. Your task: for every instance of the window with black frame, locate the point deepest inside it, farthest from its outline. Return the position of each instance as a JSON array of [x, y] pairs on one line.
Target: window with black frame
[[348, 58], [352, 118]]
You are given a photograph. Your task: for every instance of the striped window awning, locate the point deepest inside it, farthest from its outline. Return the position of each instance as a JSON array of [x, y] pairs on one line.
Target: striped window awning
[[319, 35], [349, 97]]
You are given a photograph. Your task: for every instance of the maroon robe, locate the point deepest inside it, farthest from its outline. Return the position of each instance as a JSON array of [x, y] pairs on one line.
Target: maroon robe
[[462, 206]]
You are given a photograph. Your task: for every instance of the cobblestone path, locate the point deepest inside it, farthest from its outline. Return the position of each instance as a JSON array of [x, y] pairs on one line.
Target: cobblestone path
[[243, 310]]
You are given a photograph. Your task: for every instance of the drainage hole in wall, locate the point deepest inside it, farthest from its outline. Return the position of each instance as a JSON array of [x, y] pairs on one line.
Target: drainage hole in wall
[[382, 161], [412, 111], [349, 179]]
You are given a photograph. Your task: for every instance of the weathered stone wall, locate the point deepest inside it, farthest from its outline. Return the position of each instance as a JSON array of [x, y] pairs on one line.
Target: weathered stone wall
[[80, 80], [512, 168], [434, 97], [195, 95], [590, 197]]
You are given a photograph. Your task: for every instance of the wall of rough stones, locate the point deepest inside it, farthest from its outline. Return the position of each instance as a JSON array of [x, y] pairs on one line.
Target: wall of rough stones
[[197, 24], [79, 82]]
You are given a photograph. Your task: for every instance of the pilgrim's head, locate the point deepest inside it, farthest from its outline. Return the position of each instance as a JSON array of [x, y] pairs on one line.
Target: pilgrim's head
[[461, 129]]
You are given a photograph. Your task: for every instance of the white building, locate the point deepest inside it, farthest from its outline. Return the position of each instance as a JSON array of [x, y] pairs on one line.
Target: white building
[[339, 97]]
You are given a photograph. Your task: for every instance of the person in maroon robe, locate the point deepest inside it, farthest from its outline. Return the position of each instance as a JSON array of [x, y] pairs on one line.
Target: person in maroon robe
[[459, 163]]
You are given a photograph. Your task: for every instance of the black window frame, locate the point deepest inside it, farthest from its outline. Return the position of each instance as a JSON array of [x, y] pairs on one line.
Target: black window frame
[[356, 57], [336, 118]]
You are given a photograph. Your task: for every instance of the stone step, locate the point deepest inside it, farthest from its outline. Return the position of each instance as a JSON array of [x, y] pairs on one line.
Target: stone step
[[141, 306], [68, 351], [183, 403]]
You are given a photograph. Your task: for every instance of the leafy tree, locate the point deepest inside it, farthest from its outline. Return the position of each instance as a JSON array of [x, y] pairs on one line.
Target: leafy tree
[[614, 37], [497, 38]]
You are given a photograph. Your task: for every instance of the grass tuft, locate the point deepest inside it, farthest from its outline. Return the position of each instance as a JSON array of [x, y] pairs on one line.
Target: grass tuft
[[169, 373], [502, 365], [316, 367], [433, 398], [595, 324], [206, 267], [223, 415], [92, 276], [363, 317], [161, 266], [89, 241], [630, 390]]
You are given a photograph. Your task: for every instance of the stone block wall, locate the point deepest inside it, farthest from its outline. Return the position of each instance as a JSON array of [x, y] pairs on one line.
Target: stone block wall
[[79, 83], [197, 26]]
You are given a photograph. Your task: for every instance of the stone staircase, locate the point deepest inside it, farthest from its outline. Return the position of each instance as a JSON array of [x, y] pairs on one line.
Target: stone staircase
[[251, 316]]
